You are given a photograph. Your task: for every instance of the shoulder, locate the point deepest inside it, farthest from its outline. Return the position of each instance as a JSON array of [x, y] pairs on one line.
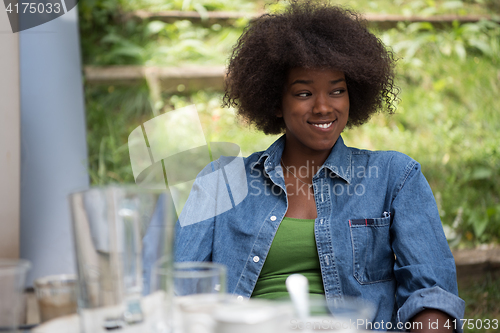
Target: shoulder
[[396, 167], [224, 160], [227, 169], [382, 154], [389, 158]]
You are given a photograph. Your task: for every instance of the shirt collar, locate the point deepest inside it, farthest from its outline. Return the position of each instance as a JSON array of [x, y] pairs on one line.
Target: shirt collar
[[272, 155], [338, 162]]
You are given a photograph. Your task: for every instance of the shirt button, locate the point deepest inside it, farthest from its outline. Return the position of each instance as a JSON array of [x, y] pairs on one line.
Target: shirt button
[[256, 259], [273, 218], [239, 298]]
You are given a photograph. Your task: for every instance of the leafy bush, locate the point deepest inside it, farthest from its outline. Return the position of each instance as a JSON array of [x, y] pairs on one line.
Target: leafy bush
[[447, 120]]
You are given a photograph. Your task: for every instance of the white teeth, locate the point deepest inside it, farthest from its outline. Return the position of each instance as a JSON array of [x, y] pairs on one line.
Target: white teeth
[[324, 125]]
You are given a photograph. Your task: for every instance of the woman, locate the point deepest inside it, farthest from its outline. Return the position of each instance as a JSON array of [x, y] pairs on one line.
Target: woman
[[354, 222]]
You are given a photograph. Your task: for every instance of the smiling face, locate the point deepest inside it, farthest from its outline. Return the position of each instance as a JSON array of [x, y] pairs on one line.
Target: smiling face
[[315, 109]]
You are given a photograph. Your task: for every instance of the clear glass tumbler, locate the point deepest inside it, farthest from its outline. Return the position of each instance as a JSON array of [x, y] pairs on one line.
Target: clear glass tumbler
[[196, 288], [56, 296], [119, 233], [199, 278]]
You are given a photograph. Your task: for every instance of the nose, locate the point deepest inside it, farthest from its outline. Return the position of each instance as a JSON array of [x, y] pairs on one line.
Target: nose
[[322, 105]]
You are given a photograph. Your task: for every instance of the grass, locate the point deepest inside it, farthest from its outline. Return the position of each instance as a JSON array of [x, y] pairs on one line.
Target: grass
[[482, 299], [112, 114]]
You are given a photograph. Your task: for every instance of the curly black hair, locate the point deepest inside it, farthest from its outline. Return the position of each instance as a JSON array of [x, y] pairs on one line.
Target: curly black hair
[[308, 34]]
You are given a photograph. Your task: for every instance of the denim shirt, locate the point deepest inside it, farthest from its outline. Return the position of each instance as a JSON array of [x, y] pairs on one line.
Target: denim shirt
[[378, 232]]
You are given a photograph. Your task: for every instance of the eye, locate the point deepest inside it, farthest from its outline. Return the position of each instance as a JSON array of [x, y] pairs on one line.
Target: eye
[[338, 91], [303, 94]]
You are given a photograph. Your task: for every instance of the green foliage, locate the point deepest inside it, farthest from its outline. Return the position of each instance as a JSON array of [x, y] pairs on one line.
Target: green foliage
[[156, 43], [447, 120], [201, 6], [220, 124], [96, 17], [421, 7], [481, 38], [112, 114]]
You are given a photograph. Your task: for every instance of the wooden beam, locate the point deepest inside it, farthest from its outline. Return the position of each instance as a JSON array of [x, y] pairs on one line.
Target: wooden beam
[[473, 264], [175, 15], [171, 79], [487, 256]]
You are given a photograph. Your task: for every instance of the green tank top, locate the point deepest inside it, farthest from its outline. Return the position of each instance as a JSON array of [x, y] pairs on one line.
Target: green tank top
[[293, 251]]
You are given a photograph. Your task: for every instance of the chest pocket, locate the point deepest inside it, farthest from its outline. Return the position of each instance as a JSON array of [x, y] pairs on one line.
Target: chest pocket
[[373, 259]]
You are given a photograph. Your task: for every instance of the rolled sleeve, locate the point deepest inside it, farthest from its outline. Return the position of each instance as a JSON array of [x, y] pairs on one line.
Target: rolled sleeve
[[424, 267], [433, 298]]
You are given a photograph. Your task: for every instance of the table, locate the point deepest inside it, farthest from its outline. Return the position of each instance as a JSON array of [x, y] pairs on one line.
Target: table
[[151, 306]]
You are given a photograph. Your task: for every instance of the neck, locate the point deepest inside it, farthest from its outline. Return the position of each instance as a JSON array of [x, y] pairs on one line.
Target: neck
[[307, 164]]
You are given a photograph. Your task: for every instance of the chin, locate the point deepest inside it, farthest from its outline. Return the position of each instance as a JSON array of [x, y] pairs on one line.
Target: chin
[[327, 144], [323, 147]]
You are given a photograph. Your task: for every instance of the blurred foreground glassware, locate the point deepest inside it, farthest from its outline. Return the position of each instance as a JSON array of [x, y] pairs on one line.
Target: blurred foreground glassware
[[12, 300], [56, 296], [119, 233], [253, 315], [199, 278], [196, 288], [346, 314]]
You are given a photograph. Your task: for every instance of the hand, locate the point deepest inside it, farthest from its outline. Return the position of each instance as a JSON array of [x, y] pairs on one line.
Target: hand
[[431, 321]]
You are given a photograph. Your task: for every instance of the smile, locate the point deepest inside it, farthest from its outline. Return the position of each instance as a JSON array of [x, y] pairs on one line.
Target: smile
[[326, 125]]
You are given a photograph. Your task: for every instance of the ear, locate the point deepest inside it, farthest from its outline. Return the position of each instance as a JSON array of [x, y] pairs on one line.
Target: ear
[[279, 113]]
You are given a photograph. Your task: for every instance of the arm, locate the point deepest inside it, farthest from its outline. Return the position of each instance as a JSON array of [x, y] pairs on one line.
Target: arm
[[194, 229], [424, 266]]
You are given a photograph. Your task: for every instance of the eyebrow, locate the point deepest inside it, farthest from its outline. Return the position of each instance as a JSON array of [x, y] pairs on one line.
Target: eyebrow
[[311, 81]]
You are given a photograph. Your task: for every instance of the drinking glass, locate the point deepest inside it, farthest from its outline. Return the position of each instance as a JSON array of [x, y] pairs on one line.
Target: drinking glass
[[119, 233], [12, 300], [196, 289], [56, 296], [199, 278]]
